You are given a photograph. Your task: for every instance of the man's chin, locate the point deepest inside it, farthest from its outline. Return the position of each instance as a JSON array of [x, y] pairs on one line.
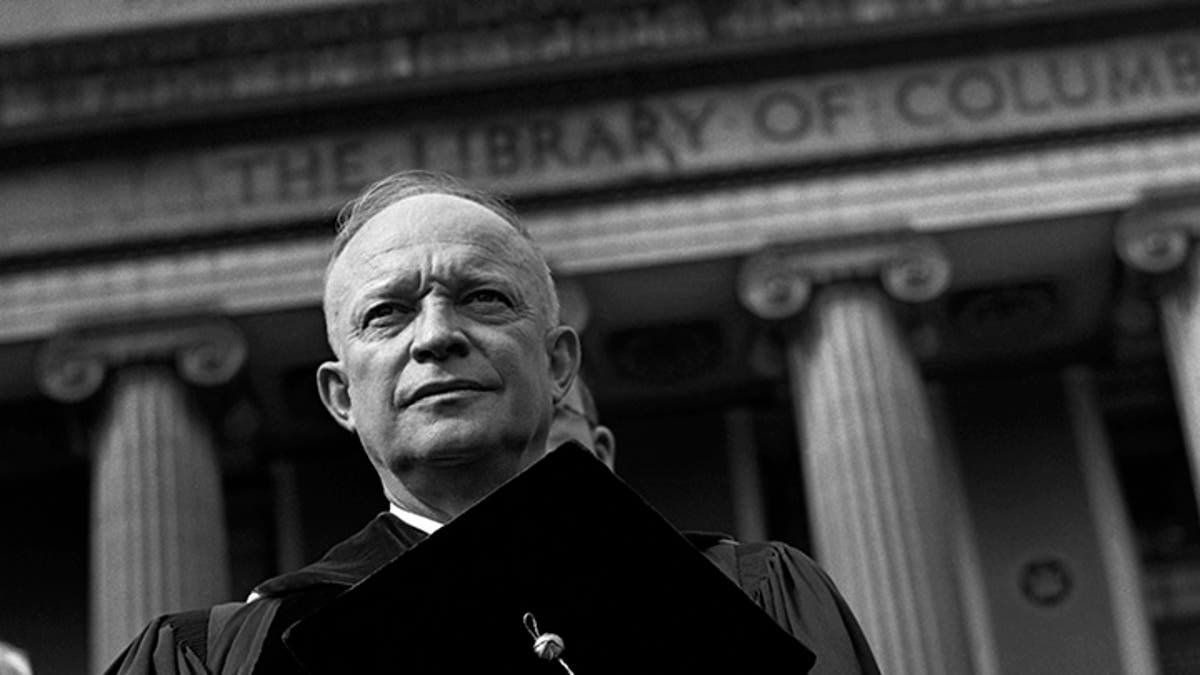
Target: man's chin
[[457, 452], [456, 457]]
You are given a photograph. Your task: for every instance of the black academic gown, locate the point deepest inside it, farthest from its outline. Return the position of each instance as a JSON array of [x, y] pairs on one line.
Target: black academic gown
[[247, 638]]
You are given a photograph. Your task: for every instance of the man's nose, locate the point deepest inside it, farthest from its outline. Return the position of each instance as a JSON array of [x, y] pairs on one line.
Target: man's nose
[[437, 334]]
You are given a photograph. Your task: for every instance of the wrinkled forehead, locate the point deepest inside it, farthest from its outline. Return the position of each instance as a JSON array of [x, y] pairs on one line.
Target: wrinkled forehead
[[435, 219], [430, 221]]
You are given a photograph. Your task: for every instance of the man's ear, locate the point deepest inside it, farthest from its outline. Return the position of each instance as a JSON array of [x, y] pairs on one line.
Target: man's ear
[[604, 446], [562, 346], [334, 389]]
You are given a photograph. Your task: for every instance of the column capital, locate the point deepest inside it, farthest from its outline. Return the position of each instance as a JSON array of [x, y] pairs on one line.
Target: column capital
[[1155, 235], [206, 351], [777, 282]]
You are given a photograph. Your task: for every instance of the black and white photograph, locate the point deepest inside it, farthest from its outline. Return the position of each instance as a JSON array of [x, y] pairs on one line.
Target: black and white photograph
[[599, 337]]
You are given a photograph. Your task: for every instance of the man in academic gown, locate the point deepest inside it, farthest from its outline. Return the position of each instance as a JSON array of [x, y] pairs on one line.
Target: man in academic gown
[[449, 361]]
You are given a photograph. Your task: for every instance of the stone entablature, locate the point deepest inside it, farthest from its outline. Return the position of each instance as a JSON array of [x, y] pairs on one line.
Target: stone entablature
[[271, 57], [696, 132], [247, 277]]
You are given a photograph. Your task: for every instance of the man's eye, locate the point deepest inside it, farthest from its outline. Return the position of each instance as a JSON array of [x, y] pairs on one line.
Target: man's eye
[[382, 312], [487, 296]]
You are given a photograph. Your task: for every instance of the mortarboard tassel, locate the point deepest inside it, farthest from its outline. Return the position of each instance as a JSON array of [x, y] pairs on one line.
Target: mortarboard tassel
[[548, 646]]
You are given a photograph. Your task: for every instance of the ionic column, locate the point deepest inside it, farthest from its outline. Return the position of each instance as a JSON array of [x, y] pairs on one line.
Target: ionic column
[[158, 540], [870, 454]]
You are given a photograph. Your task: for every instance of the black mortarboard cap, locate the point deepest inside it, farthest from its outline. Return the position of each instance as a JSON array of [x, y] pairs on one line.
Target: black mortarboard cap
[[570, 544]]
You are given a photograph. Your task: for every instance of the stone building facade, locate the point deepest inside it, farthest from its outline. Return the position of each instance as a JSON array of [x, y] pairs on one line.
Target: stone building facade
[[907, 283]]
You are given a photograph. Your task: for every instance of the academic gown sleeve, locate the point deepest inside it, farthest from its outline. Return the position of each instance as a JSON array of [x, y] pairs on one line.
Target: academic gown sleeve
[[231, 635], [803, 600], [158, 651], [794, 591]]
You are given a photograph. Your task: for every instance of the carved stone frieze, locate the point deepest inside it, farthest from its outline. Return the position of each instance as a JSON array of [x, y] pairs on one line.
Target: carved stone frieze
[[170, 65], [778, 282], [204, 351]]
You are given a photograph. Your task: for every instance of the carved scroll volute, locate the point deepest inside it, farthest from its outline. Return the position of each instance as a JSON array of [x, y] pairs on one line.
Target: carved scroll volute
[[777, 283], [212, 354], [1155, 236], [772, 286], [1154, 250], [206, 352], [69, 371], [916, 273]]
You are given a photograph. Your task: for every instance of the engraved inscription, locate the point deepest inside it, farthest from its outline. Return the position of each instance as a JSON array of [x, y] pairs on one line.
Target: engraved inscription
[[701, 131]]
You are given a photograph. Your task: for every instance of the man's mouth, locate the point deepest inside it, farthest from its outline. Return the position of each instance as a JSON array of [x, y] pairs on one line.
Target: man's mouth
[[431, 389]]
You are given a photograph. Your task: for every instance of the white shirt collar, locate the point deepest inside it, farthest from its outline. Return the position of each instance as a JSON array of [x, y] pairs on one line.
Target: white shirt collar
[[426, 525]]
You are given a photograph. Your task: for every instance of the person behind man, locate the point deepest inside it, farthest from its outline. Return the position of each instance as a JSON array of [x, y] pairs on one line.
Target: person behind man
[[783, 581], [449, 360], [577, 419]]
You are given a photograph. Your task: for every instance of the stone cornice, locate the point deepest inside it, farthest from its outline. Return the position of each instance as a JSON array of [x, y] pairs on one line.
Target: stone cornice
[[380, 49], [963, 193], [550, 148], [258, 277], [249, 277], [142, 41]]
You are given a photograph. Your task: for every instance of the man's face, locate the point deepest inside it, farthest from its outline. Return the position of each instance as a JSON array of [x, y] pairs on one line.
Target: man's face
[[446, 357]]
